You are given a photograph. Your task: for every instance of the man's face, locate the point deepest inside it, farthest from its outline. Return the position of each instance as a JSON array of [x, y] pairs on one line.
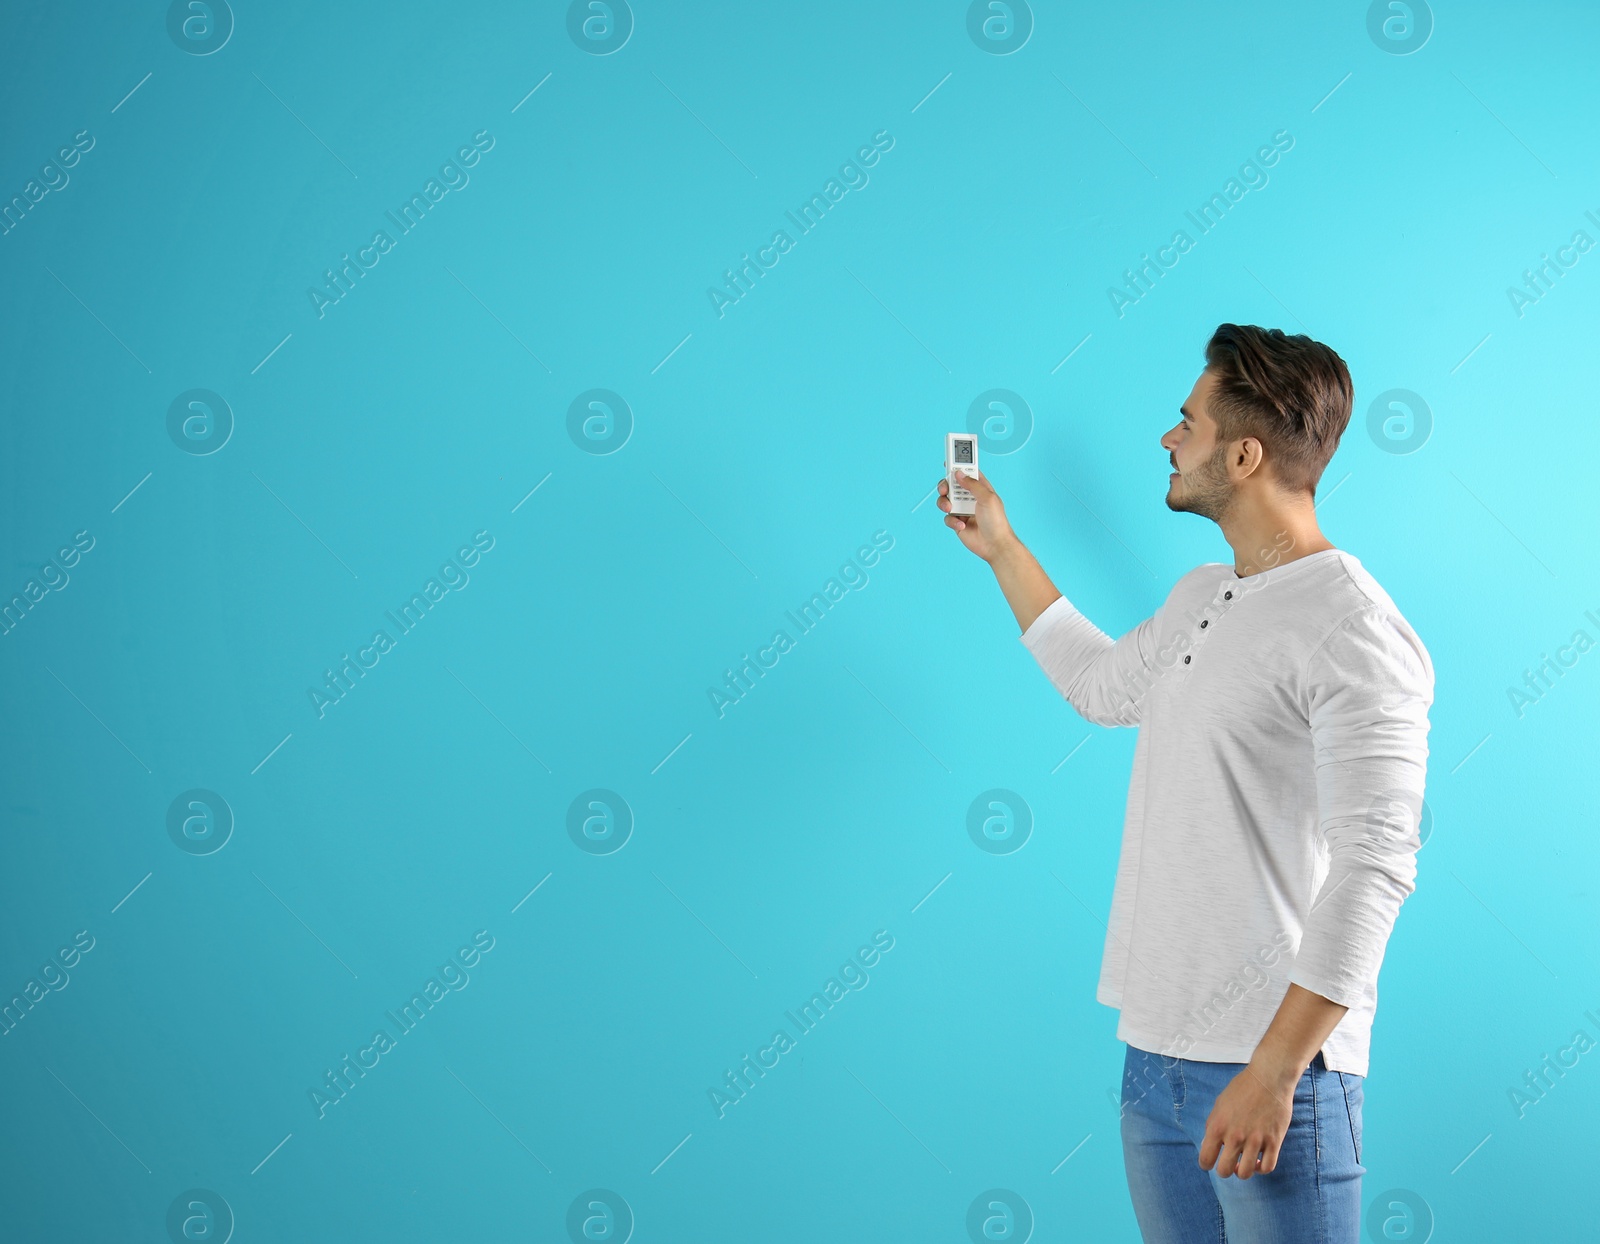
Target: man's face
[[1199, 483]]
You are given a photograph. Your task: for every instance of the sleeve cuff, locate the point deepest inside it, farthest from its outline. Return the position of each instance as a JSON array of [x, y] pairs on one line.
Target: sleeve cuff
[[1046, 622], [1332, 990]]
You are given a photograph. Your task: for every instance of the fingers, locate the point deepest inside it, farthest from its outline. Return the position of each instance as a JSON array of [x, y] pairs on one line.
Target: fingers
[[1242, 1158], [957, 522], [977, 484], [1233, 1153]]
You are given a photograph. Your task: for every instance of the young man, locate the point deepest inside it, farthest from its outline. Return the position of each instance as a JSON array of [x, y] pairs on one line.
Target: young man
[[1272, 817]]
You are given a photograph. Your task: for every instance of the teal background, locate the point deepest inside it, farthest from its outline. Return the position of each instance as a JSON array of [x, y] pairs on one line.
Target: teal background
[[767, 446]]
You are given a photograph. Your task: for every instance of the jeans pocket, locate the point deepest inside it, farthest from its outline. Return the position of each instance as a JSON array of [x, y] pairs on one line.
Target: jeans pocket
[[1352, 1085]]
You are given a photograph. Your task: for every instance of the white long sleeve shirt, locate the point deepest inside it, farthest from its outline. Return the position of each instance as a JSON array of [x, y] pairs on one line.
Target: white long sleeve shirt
[[1272, 818]]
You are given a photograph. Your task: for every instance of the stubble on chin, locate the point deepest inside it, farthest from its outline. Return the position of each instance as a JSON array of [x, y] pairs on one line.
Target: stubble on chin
[[1208, 495]]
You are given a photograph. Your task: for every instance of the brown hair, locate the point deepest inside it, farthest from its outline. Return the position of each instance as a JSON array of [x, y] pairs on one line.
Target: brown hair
[[1291, 393]]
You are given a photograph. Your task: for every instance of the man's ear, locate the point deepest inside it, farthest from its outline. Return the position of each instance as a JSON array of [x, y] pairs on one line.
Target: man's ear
[[1247, 457]]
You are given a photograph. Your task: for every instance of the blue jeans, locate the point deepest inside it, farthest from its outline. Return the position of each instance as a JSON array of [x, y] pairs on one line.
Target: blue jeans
[[1312, 1197]]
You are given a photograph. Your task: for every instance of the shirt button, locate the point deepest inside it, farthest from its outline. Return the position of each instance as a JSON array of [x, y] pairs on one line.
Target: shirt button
[[1186, 660], [1205, 624], [1227, 596]]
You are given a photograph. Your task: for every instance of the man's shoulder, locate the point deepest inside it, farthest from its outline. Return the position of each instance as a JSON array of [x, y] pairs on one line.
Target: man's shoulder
[[1350, 588], [1357, 606]]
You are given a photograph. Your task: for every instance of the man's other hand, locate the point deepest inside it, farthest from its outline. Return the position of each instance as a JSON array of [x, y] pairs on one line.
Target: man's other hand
[[1247, 1125]]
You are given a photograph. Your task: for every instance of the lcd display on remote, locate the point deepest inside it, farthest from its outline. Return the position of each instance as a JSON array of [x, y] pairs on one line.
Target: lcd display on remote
[[964, 452]]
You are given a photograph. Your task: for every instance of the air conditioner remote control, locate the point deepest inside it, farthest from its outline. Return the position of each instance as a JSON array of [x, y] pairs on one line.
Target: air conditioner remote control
[[961, 461]]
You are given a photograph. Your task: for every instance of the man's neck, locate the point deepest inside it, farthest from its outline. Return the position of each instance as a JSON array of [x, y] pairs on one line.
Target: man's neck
[[1264, 535]]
